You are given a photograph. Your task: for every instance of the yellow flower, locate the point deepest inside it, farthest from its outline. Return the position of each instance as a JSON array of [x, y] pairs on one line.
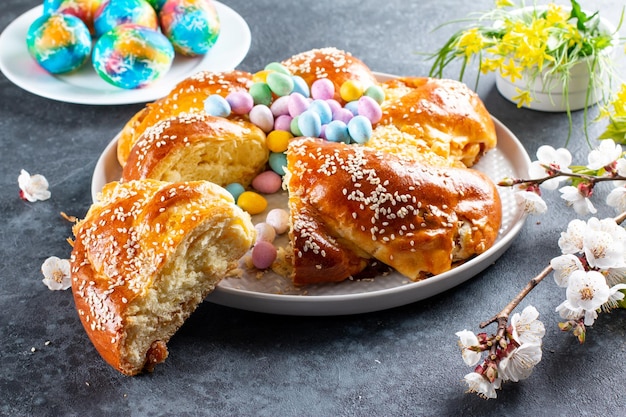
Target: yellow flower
[[511, 71], [470, 42], [522, 98], [619, 104], [490, 65], [504, 3]]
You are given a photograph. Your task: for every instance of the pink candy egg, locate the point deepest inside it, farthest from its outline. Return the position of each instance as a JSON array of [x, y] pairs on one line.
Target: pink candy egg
[[262, 116], [241, 102], [323, 89], [267, 182], [369, 108], [263, 254], [283, 122]]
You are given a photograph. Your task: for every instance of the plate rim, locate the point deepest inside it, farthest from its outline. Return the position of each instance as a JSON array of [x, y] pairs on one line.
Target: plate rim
[[357, 303], [121, 96]]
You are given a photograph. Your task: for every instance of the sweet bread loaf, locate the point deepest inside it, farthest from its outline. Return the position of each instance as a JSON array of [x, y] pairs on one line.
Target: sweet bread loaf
[[187, 97], [196, 146], [450, 117], [144, 257], [350, 205]]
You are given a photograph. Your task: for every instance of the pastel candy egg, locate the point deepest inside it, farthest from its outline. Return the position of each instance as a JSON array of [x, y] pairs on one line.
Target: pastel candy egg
[[235, 189], [334, 105], [310, 124], [278, 140], [192, 26], [322, 108], [343, 114], [283, 122], [59, 43], [353, 106], [131, 56], [278, 162], [300, 86], [267, 182], [261, 93], [216, 105], [241, 102], [368, 107], [360, 129], [265, 232], [375, 92], [297, 104], [280, 106], [263, 254], [322, 89], [113, 13], [277, 67], [262, 116], [260, 76], [350, 90], [278, 219], [252, 202], [280, 84], [337, 131]]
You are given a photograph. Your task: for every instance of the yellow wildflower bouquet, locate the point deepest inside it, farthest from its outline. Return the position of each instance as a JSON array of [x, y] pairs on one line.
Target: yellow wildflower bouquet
[[535, 43]]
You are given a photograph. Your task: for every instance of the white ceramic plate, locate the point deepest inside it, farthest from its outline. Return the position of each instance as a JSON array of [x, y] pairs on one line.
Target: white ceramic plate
[[275, 294], [86, 87]]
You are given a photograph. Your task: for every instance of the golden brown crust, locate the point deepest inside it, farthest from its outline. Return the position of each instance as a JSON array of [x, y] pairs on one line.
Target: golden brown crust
[[124, 246], [449, 116], [187, 97], [416, 218], [334, 64], [197, 146]]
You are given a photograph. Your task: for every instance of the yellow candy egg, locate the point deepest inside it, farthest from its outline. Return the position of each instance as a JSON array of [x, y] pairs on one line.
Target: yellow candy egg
[[351, 90], [278, 140], [261, 76], [252, 202]]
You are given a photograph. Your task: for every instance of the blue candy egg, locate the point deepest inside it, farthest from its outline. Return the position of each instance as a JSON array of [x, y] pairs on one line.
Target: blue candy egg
[[310, 124], [360, 129], [216, 105], [322, 108], [278, 162], [235, 189], [337, 131], [300, 86]]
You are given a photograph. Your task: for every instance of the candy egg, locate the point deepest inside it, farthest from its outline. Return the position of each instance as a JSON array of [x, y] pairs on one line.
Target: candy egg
[[323, 89], [278, 219], [322, 108], [277, 67], [51, 6], [58, 42], [353, 106], [263, 254], [278, 140], [252, 202], [280, 106], [241, 102], [350, 90], [375, 92], [280, 84], [192, 26], [360, 129], [343, 114], [235, 189], [261, 93], [369, 108], [131, 56], [310, 124], [278, 162], [265, 232], [297, 104], [216, 105], [113, 13], [283, 122], [267, 182], [262, 116], [337, 131], [300, 86]]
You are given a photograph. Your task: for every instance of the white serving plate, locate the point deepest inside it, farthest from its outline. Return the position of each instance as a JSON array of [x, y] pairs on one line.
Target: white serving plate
[[275, 294], [85, 86]]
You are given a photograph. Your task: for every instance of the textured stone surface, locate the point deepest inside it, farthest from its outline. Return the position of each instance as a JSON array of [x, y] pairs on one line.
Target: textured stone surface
[[225, 361]]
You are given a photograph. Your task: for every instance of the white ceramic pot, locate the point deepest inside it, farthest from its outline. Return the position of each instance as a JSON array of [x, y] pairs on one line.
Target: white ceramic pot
[[547, 89]]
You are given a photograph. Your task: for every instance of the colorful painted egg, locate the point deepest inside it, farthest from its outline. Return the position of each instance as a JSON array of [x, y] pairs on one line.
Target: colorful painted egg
[[192, 26], [113, 13], [157, 4], [132, 56], [82, 9], [58, 42], [51, 6]]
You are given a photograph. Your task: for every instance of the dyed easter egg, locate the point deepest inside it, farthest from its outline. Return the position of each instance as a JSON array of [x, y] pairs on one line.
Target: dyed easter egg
[[51, 6], [131, 56], [157, 5], [192, 26], [85, 10], [59, 43], [112, 13]]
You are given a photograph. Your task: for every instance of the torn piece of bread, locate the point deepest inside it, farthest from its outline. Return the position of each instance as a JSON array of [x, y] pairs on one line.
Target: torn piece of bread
[[145, 256]]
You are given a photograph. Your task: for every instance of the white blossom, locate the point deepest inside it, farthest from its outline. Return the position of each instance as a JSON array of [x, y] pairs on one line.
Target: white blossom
[[526, 326], [617, 198], [520, 362], [615, 276], [468, 339], [481, 385], [581, 204], [604, 243], [604, 155], [33, 187], [571, 241], [531, 202], [563, 267], [559, 158], [587, 290], [569, 312], [620, 167], [56, 273], [615, 295]]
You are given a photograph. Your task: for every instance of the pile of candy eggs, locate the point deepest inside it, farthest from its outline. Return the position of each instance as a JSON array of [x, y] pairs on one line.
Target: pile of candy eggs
[[111, 26], [284, 107]]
